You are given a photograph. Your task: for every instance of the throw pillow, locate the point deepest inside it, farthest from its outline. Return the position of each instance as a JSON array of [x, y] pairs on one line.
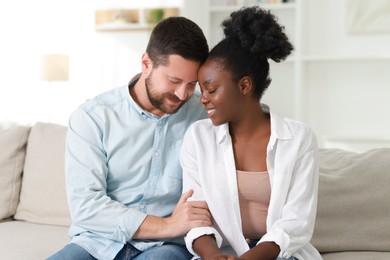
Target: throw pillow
[[43, 194], [12, 153]]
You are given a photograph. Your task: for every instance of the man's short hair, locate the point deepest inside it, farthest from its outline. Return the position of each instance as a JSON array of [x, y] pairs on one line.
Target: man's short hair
[[177, 35]]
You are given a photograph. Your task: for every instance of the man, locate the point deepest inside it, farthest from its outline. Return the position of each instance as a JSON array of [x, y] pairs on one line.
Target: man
[[123, 174]]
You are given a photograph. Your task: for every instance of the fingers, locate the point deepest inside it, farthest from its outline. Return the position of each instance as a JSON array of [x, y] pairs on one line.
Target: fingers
[[184, 197], [200, 223], [198, 204], [191, 214], [198, 210], [200, 213], [199, 218]]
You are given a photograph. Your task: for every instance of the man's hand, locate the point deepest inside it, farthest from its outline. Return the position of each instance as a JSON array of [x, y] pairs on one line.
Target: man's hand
[[188, 215], [185, 216]]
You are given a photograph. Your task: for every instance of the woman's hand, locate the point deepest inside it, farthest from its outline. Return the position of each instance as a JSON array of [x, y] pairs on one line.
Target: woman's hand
[[221, 257], [206, 247], [263, 251]]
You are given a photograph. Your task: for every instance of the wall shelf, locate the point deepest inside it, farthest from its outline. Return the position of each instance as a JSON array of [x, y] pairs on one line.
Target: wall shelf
[[118, 26], [131, 19]]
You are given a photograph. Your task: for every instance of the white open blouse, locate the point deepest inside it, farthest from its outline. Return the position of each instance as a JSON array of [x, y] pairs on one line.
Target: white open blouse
[[209, 169]]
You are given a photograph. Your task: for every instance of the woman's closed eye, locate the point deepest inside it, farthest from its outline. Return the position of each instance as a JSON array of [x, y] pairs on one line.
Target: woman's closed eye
[[208, 92], [211, 90]]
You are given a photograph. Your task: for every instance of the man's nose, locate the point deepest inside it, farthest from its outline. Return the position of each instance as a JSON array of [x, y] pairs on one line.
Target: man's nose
[[182, 92]]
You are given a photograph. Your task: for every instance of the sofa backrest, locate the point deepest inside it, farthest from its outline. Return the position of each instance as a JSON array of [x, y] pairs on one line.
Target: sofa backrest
[[43, 195], [13, 144], [353, 201]]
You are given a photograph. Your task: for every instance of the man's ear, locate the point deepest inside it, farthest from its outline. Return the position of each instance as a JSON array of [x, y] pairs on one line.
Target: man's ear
[[147, 64], [245, 85]]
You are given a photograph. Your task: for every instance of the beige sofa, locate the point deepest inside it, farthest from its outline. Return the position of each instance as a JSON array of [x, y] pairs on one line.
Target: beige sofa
[[33, 210], [353, 220]]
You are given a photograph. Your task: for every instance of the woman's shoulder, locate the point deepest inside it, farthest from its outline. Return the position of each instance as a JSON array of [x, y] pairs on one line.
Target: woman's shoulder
[[203, 129], [203, 124], [296, 128], [297, 125], [280, 120]]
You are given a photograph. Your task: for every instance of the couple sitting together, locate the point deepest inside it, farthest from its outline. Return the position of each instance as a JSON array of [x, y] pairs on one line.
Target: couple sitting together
[[155, 170]]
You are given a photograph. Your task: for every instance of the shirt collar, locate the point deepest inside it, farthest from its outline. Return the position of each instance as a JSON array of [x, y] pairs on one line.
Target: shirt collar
[[222, 133], [279, 128], [131, 85]]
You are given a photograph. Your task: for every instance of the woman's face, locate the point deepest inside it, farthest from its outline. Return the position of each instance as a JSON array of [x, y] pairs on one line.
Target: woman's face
[[220, 95]]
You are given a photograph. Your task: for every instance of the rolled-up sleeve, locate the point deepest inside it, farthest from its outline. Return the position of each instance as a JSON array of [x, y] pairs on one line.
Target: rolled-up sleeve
[[195, 233]]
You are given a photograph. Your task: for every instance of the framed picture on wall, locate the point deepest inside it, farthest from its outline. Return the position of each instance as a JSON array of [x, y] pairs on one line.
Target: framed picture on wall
[[368, 16]]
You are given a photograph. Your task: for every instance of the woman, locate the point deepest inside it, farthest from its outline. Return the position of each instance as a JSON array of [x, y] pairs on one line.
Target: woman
[[257, 171]]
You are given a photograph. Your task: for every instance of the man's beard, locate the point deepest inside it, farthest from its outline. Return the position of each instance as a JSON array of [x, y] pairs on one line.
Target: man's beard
[[158, 101]]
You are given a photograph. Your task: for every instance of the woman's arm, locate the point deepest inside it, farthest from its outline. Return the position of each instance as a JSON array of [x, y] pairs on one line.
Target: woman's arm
[[206, 247], [190, 159]]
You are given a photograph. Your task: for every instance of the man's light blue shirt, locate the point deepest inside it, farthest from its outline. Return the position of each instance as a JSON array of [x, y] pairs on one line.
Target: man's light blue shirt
[[122, 164]]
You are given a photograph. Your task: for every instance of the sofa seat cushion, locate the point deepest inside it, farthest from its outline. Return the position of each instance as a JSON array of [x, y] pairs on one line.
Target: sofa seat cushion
[[43, 193], [356, 255], [12, 154], [25, 241], [353, 201]]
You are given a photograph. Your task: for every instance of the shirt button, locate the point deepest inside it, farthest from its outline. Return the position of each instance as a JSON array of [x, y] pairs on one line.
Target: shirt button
[[142, 206], [156, 154]]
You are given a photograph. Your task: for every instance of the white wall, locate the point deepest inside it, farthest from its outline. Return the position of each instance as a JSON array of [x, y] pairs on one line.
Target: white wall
[[326, 31], [97, 61], [30, 29], [343, 96], [347, 80]]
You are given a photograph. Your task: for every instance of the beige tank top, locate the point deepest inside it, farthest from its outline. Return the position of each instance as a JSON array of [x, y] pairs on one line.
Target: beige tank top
[[254, 194]]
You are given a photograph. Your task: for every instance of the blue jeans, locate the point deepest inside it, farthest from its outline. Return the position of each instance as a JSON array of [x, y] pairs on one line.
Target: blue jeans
[[167, 251]]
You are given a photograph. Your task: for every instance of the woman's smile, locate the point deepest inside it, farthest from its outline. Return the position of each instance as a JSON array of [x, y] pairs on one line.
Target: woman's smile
[[210, 112]]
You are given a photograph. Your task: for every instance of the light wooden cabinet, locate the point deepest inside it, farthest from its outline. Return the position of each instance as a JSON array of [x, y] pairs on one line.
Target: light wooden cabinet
[[131, 19]]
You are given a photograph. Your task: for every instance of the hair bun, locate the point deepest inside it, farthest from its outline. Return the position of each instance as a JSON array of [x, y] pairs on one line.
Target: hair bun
[[258, 31]]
